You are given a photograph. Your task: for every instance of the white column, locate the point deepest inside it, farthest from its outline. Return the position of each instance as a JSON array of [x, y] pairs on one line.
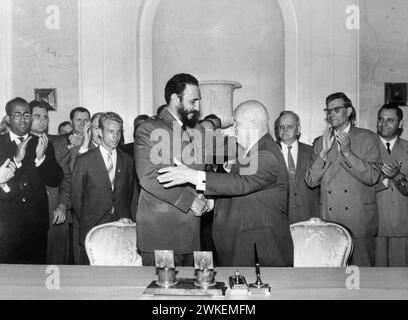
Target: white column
[[5, 53]]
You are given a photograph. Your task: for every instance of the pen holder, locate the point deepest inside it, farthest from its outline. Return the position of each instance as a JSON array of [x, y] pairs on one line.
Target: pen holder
[[166, 277]]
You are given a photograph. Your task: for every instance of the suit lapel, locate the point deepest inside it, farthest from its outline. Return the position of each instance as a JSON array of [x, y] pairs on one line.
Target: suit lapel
[[335, 156], [301, 162], [101, 164], [399, 151], [119, 169]]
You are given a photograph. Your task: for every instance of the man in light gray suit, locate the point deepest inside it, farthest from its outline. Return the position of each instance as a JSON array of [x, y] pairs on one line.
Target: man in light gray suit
[[346, 164], [392, 197]]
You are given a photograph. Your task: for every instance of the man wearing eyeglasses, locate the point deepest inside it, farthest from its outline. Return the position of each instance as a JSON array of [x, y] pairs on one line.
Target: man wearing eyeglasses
[[24, 217], [346, 164]]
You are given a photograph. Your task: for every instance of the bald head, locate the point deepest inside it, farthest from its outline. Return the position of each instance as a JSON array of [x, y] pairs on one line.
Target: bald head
[[255, 111], [252, 120]]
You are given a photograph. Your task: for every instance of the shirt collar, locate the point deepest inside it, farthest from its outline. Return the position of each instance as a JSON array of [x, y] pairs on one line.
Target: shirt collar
[[249, 148], [106, 152], [347, 128], [14, 137], [294, 144], [391, 142], [177, 119]]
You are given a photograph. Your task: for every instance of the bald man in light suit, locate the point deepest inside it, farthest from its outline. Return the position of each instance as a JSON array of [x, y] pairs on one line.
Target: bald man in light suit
[[251, 201]]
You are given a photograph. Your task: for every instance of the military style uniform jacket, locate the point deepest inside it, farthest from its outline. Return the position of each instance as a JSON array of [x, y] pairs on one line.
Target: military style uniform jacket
[[164, 219]]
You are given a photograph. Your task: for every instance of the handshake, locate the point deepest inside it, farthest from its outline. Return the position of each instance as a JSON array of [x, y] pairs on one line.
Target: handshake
[[201, 205]]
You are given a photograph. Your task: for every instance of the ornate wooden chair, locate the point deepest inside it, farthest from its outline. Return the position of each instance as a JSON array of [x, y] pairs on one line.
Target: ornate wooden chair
[[113, 244], [318, 243]]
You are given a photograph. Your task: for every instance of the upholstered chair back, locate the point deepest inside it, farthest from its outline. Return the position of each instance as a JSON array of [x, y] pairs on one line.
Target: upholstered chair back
[[113, 244], [318, 243]]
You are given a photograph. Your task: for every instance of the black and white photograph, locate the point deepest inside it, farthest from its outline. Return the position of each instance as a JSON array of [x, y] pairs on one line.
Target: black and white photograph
[[203, 150]]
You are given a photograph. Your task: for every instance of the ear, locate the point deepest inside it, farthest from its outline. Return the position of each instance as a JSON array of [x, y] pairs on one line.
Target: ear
[[8, 119], [401, 124], [99, 132], [298, 130], [349, 111], [175, 99]]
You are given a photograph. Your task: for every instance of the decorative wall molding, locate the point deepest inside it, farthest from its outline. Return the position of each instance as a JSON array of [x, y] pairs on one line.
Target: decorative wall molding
[[6, 10], [146, 17]]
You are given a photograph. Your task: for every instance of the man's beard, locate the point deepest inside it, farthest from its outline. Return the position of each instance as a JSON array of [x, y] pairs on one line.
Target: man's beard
[[190, 122]]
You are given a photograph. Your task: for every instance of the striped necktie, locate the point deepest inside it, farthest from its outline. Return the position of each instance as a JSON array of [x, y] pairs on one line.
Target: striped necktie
[[291, 164], [111, 172]]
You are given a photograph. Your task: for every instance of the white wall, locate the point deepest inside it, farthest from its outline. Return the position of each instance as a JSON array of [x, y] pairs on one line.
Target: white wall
[[43, 57], [111, 46], [241, 41], [384, 54]]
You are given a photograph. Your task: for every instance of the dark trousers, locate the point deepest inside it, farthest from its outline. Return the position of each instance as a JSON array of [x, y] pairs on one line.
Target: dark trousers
[[58, 245], [33, 250], [184, 260], [206, 237], [363, 252]]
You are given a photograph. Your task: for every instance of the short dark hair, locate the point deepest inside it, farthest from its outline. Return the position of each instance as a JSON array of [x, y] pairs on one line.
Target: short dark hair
[[160, 109], [39, 104], [177, 84], [110, 116], [347, 104], [78, 109], [285, 112], [392, 106], [339, 95], [213, 119], [97, 115], [63, 124], [9, 105], [138, 121]]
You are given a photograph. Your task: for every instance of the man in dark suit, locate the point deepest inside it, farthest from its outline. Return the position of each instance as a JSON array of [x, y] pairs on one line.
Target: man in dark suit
[[168, 219], [24, 217], [251, 201], [80, 137], [303, 200], [392, 193], [346, 164], [102, 181], [59, 198], [129, 149]]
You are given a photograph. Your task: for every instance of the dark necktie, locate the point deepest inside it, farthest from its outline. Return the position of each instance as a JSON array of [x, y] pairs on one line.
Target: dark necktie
[[388, 147], [291, 163]]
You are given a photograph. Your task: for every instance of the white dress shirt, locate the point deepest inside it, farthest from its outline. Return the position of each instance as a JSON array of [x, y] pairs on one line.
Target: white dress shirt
[[293, 151], [15, 138], [392, 143], [114, 157]]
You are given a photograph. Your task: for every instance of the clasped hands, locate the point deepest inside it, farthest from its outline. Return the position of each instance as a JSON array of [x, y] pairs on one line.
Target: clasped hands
[[391, 170], [201, 205], [343, 139], [40, 149], [7, 170], [181, 174]]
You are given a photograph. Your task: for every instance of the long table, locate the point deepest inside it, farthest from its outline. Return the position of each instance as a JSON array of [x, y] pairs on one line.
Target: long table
[[90, 282]]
